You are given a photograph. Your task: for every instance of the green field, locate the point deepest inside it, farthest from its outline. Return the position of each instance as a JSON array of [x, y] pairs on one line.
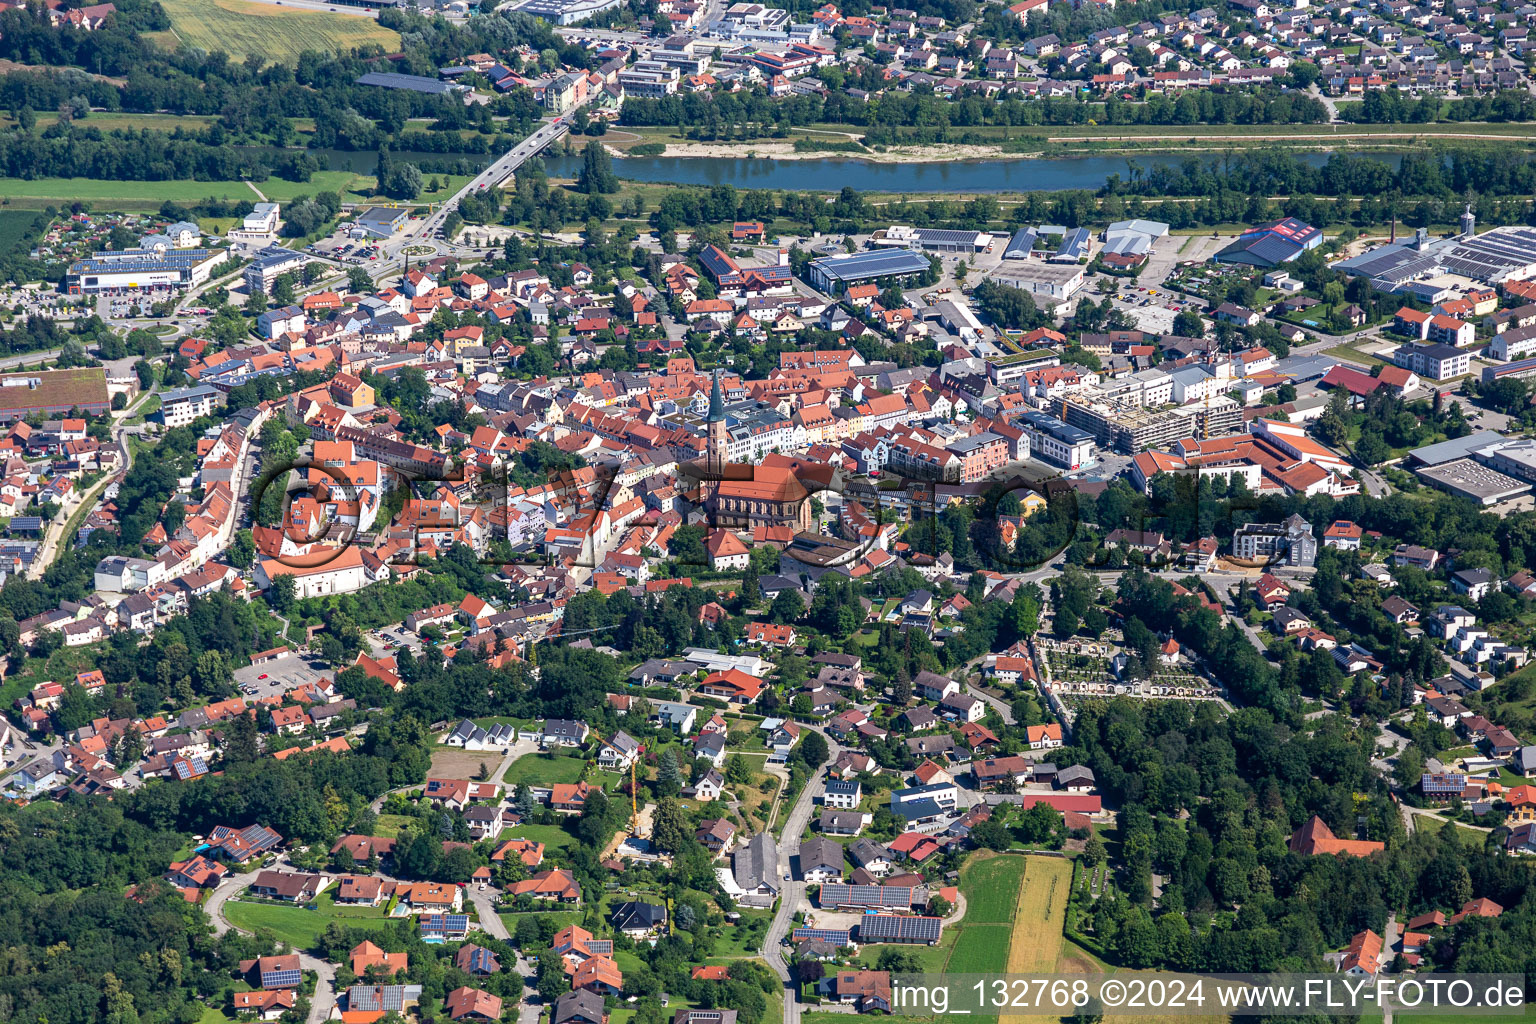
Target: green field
[[242, 29], [991, 889], [980, 949], [553, 837], [38, 192], [296, 926], [539, 770], [389, 825], [13, 227]]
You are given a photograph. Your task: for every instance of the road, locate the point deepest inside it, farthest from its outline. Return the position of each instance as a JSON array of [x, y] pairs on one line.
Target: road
[[324, 1000], [495, 174], [49, 549], [794, 890]]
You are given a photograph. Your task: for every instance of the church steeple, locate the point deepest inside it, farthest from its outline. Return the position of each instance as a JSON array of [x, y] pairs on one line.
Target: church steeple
[[716, 403], [718, 437]]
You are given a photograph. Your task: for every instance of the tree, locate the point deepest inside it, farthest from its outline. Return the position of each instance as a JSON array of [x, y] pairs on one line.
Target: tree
[[242, 550], [737, 770], [402, 182], [282, 594], [358, 280], [669, 778], [596, 171], [669, 829], [813, 750]]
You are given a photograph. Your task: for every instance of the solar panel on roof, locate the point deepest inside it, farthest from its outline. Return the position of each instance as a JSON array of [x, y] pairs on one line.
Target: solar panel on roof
[[600, 947], [831, 936], [894, 928], [280, 979], [843, 895]]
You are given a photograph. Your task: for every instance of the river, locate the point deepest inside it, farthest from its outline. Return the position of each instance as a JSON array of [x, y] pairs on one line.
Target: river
[[828, 174]]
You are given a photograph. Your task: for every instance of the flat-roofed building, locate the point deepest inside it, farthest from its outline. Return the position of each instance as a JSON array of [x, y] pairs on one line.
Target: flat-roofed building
[[53, 392], [134, 269], [1057, 282]]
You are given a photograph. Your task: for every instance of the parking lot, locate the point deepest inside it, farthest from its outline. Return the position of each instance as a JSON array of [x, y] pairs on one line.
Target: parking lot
[[383, 642], [346, 250], [275, 677]]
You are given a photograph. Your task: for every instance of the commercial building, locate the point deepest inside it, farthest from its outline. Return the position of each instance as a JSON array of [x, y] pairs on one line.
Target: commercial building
[[378, 222], [565, 12], [52, 392], [1075, 245], [411, 83], [133, 269], [1021, 244], [1270, 245], [269, 264], [1471, 479], [836, 273], [1438, 361], [1130, 429], [1056, 282], [933, 239], [1056, 442], [649, 79], [1494, 257]]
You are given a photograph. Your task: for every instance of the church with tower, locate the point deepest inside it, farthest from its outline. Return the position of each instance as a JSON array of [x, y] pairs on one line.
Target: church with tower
[[744, 496]]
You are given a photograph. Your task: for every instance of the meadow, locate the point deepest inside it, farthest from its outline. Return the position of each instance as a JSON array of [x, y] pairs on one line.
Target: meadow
[[242, 29], [991, 888]]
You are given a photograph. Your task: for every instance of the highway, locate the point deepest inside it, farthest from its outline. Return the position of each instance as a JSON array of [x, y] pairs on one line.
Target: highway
[[496, 173]]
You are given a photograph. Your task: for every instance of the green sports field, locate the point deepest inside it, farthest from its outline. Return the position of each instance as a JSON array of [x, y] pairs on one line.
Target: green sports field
[[241, 29]]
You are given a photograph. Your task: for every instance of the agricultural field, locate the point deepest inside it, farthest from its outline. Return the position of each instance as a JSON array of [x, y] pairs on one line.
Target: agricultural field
[[242, 29], [1042, 911], [980, 949], [991, 888]]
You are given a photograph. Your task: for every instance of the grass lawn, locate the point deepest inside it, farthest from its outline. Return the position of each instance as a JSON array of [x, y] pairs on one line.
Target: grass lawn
[[141, 195], [391, 824], [742, 939], [554, 838], [241, 29], [980, 949], [542, 770], [296, 926], [627, 961], [991, 888]]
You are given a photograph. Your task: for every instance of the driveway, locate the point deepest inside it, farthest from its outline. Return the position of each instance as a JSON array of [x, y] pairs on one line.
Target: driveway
[[324, 1000]]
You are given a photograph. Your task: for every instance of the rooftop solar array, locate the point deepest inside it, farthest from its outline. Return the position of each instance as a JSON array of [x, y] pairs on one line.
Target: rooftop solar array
[[839, 894], [893, 928], [444, 923], [1021, 245], [1492, 256], [872, 264], [376, 998], [281, 979], [831, 936]]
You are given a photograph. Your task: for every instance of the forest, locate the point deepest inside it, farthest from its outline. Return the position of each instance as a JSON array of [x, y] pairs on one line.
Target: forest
[[1233, 897]]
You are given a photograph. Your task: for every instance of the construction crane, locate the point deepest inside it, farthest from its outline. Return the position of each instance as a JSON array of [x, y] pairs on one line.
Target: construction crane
[[634, 802]]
